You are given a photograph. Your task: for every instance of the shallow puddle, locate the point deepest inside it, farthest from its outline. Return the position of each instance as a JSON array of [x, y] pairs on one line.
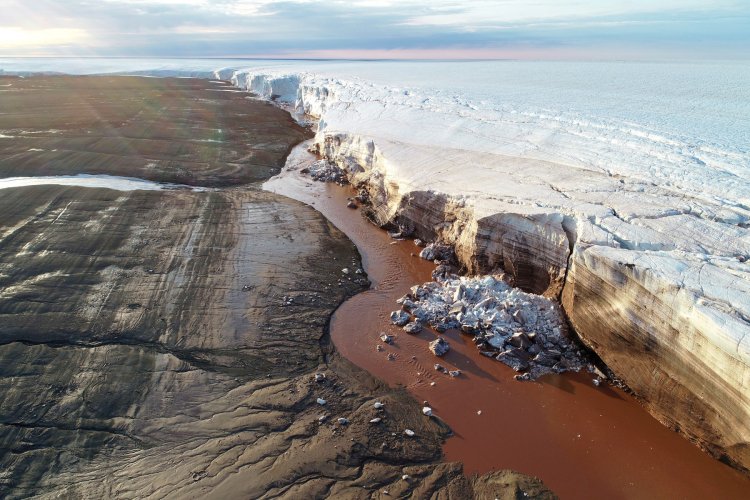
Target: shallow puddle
[[93, 181]]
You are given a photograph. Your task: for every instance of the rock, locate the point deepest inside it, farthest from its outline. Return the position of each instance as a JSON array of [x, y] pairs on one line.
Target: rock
[[378, 405], [427, 411], [479, 412], [439, 346], [437, 251], [405, 477], [376, 420], [320, 377], [413, 327], [345, 270], [388, 339], [409, 432], [324, 171], [343, 421], [439, 367], [321, 401], [399, 318]]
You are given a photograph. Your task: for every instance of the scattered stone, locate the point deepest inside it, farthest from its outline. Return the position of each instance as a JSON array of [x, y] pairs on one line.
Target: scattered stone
[[405, 477], [409, 432], [432, 383], [454, 373], [378, 405], [439, 367], [379, 348], [479, 412], [343, 421], [399, 318], [439, 346], [322, 418], [388, 339], [376, 420], [414, 327], [345, 270], [391, 356], [321, 401], [320, 377], [419, 242], [352, 205], [597, 381], [427, 411]]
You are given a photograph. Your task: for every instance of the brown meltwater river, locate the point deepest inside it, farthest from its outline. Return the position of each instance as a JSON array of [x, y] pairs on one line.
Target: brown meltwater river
[[583, 441]]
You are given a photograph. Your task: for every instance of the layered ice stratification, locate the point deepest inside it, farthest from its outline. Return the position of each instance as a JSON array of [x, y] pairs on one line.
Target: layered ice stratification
[[623, 189]]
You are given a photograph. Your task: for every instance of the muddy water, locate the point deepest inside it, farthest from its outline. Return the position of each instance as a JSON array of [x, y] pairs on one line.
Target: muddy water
[[583, 441]]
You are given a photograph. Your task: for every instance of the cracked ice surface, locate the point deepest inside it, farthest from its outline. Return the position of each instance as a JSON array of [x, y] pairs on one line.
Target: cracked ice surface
[[649, 159]]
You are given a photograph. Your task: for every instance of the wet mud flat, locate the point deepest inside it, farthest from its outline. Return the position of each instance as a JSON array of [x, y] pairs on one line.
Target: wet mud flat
[[582, 440], [172, 344], [179, 130]]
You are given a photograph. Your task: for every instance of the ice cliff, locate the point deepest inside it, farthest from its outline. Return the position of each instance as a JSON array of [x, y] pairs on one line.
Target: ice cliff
[[642, 236]]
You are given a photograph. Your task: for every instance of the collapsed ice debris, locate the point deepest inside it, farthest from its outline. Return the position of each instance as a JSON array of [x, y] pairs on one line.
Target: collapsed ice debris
[[439, 346], [325, 171], [523, 330]]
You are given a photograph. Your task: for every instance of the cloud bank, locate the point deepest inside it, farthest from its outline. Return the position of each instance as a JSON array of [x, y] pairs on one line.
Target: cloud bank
[[640, 29]]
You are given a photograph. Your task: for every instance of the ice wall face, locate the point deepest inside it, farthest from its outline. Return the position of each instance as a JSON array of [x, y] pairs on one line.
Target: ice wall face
[[644, 235]]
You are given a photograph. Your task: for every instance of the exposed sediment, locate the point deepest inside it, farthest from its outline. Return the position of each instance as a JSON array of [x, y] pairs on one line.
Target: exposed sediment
[[173, 343], [654, 277]]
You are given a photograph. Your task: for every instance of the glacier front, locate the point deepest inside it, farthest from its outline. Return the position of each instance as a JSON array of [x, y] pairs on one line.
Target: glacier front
[[621, 189]]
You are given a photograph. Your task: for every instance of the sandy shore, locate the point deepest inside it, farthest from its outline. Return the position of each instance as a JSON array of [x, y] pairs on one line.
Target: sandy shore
[[166, 343]]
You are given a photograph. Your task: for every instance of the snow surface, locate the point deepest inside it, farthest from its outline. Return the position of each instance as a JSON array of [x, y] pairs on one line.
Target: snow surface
[[92, 181]]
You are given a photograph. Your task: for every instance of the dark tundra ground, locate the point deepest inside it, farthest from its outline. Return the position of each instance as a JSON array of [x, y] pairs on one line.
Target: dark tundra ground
[[164, 343]]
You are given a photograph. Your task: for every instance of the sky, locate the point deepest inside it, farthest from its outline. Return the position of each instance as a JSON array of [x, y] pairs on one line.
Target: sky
[[471, 29]]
